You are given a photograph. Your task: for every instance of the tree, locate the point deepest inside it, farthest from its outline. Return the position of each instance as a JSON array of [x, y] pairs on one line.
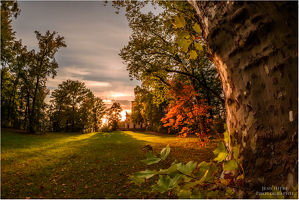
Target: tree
[[71, 102], [254, 46], [136, 117], [98, 111], [187, 113], [27, 71], [158, 49], [113, 114], [92, 111], [9, 9], [150, 103], [44, 64]]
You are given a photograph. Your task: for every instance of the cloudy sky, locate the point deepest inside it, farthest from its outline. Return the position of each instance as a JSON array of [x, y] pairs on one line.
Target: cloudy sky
[[94, 35]]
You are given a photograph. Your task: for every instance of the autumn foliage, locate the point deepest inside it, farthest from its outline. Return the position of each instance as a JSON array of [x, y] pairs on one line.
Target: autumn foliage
[[187, 112]]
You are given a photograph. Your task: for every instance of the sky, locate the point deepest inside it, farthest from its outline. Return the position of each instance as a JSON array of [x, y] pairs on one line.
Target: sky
[[94, 35]]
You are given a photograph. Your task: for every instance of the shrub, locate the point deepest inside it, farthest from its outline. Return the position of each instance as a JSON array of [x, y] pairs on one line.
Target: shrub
[[105, 128]]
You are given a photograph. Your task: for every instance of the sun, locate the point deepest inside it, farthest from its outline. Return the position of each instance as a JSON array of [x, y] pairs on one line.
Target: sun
[[123, 115]]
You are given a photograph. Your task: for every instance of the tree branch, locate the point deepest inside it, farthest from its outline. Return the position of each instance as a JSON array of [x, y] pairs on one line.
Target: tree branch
[[202, 85]]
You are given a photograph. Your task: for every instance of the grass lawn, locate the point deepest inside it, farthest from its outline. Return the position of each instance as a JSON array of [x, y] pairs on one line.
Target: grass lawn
[[93, 165]]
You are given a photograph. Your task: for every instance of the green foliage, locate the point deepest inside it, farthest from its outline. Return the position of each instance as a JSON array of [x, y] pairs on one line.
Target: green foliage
[[9, 9], [206, 172], [75, 108], [165, 152], [145, 174], [184, 44], [193, 54], [136, 116], [164, 184], [169, 46], [194, 180], [198, 46], [151, 160], [179, 22], [226, 136], [230, 165], [221, 152], [149, 107], [196, 27], [186, 169], [105, 128], [28, 73], [113, 114]]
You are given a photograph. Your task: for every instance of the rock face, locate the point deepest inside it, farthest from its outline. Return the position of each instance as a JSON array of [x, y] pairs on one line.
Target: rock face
[[254, 46]]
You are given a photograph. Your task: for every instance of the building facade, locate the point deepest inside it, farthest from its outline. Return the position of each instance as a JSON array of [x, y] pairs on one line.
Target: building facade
[[131, 126]]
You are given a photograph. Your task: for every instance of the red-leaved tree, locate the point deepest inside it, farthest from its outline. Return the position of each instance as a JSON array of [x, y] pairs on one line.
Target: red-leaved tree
[[187, 112]]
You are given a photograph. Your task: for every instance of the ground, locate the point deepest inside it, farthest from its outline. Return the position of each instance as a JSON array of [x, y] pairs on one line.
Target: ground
[[93, 165]]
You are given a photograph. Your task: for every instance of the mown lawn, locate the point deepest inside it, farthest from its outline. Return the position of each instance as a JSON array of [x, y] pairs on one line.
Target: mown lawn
[[93, 165]]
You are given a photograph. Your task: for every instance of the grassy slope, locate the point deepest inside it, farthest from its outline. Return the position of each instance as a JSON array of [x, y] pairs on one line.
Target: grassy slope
[[93, 165]]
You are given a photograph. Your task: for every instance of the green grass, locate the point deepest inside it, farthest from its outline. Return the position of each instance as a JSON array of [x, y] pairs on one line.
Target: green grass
[[93, 165]]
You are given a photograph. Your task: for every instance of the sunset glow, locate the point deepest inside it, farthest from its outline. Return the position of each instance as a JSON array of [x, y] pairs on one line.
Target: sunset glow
[[123, 114]]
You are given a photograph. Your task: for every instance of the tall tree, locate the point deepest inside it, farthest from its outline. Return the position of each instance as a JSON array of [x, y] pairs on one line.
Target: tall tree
[[158, 49], [136, 116], [254, 46], [69, 100], [113, 114], [92, 111], [9, 9], [44, 65], [150, 103], [98, 112]]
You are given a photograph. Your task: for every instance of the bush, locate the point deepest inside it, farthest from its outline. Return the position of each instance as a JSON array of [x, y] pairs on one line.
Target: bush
[[104, 129]]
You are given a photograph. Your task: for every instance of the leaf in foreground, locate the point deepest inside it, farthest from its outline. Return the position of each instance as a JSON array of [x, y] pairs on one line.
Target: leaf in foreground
[[184, 194], [136, 180], [179, 21], [221, 152], [207, 170], [164, 184], [196, 27], [230, 165], [151, 159], [145, 174], [193, 55], [164, 153], [188, 168]]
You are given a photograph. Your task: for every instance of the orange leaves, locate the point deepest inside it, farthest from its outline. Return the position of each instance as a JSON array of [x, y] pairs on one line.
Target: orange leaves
[[186, 112]]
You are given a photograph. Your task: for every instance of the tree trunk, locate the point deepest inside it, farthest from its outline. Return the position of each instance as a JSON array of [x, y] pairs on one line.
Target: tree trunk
[[32, 117], [73, 120], [254, 46], [28, 110]]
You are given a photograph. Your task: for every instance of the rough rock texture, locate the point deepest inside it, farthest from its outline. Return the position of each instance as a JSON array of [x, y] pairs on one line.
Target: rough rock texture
[[255, 48]]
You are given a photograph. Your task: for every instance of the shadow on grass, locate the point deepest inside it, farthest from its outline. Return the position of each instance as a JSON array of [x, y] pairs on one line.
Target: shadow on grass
[[92, 165], [23, 148]]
